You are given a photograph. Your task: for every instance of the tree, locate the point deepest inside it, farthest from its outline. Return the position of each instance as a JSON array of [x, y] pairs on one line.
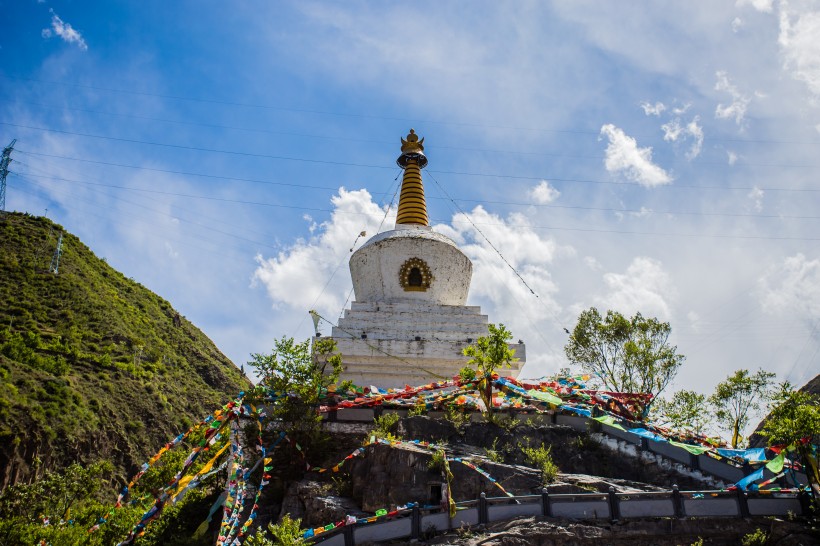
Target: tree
[[737, 399], [795, 421], [628, 355], [297, 375], [488, 354], [685, 411]]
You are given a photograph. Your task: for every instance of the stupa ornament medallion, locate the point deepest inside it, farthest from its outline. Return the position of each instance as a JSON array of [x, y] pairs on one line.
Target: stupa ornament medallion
[[415, 275]]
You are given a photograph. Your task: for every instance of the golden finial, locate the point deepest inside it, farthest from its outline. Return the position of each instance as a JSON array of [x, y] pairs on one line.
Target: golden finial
[[412, 149], [412, 144], [412, 205]]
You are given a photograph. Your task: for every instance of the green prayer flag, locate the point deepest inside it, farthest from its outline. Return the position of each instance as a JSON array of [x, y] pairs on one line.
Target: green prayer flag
[[545, 397], [776, 464], [694, 450], [609, 420]]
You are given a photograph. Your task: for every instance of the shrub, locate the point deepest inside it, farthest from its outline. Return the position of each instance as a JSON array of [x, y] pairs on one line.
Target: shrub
[[758, 538], [287, 532], [437, 460], [384, 424], [541, 458]]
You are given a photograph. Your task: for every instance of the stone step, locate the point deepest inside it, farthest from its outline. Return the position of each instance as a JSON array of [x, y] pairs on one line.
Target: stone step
[[384, 317], [431, 337], [409, 330], [416, 307]]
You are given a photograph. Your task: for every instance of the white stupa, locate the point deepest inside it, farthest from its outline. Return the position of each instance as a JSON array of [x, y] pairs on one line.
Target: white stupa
[[409, 323]]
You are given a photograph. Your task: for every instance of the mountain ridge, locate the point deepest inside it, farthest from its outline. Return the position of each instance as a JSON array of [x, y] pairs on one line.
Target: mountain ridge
[[93, 365]]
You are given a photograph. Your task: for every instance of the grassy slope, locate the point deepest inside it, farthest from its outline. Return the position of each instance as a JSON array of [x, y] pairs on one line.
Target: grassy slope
[[92, 364]]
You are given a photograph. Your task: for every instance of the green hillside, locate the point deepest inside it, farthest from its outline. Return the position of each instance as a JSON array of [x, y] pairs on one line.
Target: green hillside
[[93, 365]]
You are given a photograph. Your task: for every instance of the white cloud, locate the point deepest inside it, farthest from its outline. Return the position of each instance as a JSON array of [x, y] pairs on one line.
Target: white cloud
[[731, 157], [793, 286], [64, 31], [760, 5], [756, 196], [801, 47], [737, 108], [592, 263], [653, 109], [680, 110], [696, 132], [543, 193], [671, 130], [641, 213], [624, 156], [299, 275], [645, 287], [737, 24], [169, 248]]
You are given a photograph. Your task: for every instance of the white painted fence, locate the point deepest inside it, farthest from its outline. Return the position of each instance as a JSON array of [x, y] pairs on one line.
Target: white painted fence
[[612, 506]]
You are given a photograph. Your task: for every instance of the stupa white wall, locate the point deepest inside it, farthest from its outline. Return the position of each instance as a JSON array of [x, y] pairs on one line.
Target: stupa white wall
[[392, 336], [409, 322]]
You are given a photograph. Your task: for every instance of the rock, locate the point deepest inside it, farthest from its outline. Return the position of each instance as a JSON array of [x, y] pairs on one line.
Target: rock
[[315, 504], [536, 531]]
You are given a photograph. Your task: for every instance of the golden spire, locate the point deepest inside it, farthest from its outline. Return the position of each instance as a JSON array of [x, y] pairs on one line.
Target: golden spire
[[412, 206]]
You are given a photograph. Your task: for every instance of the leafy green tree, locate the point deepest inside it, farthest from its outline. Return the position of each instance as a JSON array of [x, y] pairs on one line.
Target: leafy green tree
[[488, 354], [737, 399], [686, 410], [627, 354], [795, 419], [297, 375]]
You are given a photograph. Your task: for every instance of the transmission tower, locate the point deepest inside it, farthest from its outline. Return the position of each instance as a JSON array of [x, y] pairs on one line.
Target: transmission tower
[[4, 171], [55, 260]]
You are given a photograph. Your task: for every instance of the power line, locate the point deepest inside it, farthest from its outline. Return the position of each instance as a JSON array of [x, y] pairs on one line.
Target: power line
[[174, 217], [94, 211], [460, 199], [500, 255], [348, 138], [368, 166], [533, 227], [197, 148], [355, 114]]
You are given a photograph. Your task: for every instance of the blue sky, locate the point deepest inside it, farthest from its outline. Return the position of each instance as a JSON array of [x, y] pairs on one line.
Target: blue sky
[[659, 157]]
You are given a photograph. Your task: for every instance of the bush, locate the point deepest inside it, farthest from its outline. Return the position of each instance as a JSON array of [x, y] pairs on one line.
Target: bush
[[541, 458], [437, 460], [287, 532], [758, 538], [384, 424]]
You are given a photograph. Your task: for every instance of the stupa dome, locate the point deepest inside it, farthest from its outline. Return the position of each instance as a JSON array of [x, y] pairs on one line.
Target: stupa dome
[[411, 264]]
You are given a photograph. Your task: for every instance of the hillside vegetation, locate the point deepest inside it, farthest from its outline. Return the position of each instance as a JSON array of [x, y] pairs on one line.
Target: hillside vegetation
[[93, 365]]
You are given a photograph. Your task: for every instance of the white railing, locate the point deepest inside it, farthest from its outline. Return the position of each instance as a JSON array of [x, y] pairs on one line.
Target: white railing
[[612, 506]]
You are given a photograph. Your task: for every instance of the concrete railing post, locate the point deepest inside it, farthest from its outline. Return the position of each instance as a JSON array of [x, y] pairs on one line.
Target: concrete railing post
[[415, 522], [805, 502], [742, 503], [694, 461], [546, 507], [644, 444], [614, 506], [677, 502], [350, 535], [594, 426], [483, 511]]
